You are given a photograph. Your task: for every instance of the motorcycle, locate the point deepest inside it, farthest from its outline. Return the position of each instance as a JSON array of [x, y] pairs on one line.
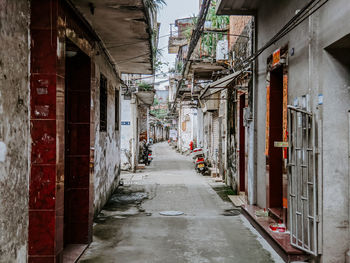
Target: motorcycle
[[150, 157], [200, 164], [146, 154]]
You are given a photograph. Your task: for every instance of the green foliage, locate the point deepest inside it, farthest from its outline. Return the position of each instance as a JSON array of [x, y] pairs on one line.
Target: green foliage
[[160, 114], [179, 66], [217, 22], [143, 86], [157, 62], [155, 102], [188, 31], [154, 5], [209, 40]]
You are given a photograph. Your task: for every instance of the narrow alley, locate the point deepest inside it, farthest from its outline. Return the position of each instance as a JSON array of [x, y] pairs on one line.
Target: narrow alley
[[210, 230], [174, 131]]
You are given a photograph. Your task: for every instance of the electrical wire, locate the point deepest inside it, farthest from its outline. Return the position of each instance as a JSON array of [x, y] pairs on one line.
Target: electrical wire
[[196, 34], [300, 17], [145, 54], [159, 74], [303, 14]]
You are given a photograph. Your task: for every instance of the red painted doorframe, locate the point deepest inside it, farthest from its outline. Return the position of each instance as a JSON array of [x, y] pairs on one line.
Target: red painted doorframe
[[242, 169], [47, 116], [77, 147], [275, 159]]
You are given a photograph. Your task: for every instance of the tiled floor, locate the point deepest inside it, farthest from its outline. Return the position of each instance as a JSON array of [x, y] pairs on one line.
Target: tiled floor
[[72, 252], [280, 240]]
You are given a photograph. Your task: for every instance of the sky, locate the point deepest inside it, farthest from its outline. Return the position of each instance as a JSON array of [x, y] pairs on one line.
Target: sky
[[167, 15]]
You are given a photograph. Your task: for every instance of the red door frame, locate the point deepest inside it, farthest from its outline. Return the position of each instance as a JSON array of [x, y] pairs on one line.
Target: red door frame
[[242, 161], [77, 148], [47, 116], [275, 158]]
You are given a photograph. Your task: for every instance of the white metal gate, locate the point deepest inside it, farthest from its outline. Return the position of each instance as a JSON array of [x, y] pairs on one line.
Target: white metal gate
[[216, 136], [302, 180]]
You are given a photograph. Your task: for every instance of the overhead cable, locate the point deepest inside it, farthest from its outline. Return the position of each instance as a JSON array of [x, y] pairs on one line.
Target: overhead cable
[[309, 9], [196, 34]]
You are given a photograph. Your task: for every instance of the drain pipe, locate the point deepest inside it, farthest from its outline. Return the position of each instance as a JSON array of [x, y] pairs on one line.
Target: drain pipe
[[252, 158]]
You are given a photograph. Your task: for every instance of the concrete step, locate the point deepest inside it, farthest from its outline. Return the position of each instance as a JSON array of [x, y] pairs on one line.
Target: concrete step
[[141, 166]]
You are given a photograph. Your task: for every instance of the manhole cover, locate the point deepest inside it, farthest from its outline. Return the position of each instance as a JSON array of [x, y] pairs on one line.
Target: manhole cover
[[171, 213], [233, 212]]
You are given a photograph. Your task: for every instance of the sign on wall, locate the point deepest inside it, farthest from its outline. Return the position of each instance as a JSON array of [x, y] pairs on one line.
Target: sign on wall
[[276, 57], [125, 123]]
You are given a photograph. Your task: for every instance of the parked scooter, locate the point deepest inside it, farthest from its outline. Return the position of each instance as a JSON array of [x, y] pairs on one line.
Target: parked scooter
[[146, 154], [200, 164], [150, 156]]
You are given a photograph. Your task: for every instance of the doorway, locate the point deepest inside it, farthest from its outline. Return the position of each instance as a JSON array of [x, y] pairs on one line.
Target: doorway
[[77, 225], [274, 160], [242, 161]]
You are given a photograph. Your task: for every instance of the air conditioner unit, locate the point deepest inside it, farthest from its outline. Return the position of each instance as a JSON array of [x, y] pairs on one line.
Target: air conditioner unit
[[213, 102]]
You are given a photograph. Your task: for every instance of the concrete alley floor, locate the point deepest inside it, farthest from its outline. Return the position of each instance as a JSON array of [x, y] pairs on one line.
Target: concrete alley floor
[[130, 228]]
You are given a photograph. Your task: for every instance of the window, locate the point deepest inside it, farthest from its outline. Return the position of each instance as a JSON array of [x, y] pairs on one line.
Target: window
[[116, 110], [103, 103]]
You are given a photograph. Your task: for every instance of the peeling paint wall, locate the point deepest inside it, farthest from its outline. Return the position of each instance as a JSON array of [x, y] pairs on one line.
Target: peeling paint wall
[[143, 121], [107, 143], [14, 130], [129, 134], [185, 129], [313, 71]]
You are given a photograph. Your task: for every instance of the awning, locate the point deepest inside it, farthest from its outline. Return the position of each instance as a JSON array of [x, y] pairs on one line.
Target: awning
[[125, 27], [237, 7], [219, 84], [146, 97]]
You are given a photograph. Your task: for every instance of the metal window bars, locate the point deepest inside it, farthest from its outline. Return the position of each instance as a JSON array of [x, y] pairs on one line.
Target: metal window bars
[[302, 180]]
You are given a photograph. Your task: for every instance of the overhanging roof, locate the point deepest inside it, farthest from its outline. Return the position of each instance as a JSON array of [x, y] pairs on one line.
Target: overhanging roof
[[219, 84], [125, 27], [146, 97], [203, 70], [237, 7]]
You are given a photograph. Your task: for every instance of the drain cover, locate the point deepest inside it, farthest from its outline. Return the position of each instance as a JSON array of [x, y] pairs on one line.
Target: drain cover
[[233, 212], [171, 213]]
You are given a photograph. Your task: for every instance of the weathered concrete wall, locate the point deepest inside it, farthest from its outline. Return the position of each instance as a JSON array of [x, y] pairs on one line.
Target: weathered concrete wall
[[223, 132], [126, 134], [268, 25], [208, 131], [313, 71], [194, 122], [333, 80], [185, 128], [107, 144], [200, 128], [14, 130], [129, 134]]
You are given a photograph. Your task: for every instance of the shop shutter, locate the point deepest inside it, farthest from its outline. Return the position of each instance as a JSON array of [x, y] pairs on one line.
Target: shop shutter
[[216, 134]]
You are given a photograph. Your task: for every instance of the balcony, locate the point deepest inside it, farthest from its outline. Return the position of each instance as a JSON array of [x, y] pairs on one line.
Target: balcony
[[145, 93], [179, 34]]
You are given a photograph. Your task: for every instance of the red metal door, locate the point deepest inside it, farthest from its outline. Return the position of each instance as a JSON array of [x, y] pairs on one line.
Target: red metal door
[[241, 144], [77, 150]]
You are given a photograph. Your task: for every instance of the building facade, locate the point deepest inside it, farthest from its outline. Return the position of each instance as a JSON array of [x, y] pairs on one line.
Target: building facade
[[301, 102], [60, 124]]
